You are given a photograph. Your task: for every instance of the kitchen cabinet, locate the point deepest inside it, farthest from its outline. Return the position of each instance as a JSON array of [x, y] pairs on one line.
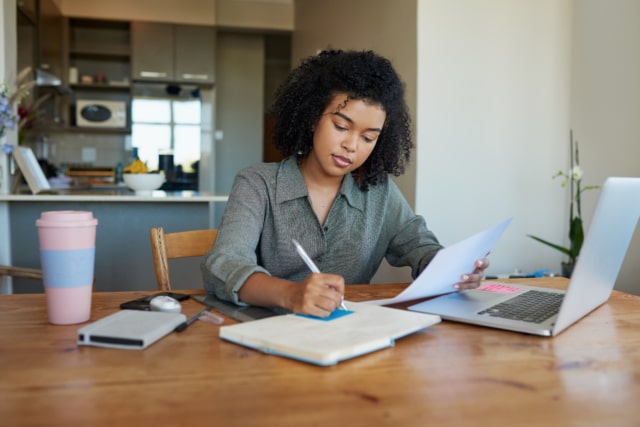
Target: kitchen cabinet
[[172, 53], [29, 9], [50, 41], [98, 64], [27, 33], [99, 51], [152, 49], [194, 51]]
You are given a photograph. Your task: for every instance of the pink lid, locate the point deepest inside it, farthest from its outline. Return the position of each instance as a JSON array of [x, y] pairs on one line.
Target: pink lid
[[66, 219]]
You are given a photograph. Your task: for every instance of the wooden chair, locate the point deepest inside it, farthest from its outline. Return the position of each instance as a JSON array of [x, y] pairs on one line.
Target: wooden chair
[[19, 272], [22, 272], [182, 244]]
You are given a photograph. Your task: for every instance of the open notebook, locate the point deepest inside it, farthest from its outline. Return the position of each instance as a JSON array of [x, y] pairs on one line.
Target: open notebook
[[361, 329]]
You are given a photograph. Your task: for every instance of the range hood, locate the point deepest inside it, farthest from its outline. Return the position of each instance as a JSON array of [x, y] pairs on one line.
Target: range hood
[[46, 79]]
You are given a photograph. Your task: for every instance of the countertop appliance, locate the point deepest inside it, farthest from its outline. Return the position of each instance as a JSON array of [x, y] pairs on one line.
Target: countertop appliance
[[101, 113]]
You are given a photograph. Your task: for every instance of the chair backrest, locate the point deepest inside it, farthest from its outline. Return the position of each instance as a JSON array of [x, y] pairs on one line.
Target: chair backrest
[[22, 272], [182, 244]]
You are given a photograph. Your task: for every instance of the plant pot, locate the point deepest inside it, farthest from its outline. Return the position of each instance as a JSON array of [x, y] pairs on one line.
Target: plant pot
[[567, 269]]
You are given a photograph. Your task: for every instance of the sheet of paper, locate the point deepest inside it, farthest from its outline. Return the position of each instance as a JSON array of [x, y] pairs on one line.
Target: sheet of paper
[[448, 265]]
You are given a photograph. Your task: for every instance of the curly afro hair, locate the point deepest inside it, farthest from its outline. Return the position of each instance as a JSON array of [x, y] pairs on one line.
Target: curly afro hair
[[362, 75]]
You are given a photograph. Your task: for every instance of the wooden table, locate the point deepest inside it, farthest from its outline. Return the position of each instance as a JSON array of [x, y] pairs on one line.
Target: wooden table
[[449, 374]]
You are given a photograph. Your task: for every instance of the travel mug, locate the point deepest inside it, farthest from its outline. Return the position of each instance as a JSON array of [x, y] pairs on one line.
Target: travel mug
[[67, 257]]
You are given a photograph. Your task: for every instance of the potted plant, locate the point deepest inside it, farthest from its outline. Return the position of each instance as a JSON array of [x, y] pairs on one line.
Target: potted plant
[[572, 178], [9, 120], [15, 112]]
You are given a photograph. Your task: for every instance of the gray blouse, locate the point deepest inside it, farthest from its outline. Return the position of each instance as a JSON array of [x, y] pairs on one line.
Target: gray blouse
[[269, 206]]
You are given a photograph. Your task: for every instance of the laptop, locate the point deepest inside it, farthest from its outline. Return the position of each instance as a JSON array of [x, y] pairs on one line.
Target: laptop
[[517, 307]]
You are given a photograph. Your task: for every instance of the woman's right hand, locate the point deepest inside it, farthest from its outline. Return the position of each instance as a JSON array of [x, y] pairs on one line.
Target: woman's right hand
[[318, 295]]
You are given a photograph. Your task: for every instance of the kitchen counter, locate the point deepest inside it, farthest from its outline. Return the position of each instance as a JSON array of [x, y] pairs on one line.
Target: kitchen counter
[[123, 250], [116, 195]]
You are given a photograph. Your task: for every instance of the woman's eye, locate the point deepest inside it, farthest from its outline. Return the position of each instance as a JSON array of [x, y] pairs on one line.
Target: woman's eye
[[368, 139], [339, 127]]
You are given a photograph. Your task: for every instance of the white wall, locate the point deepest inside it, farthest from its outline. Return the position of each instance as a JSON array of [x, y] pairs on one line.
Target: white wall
[[8, 47], [493, 123], [500, 85], [605, 102]]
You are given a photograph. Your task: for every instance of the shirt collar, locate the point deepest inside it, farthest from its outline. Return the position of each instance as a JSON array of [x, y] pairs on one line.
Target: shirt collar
[[290, 185]]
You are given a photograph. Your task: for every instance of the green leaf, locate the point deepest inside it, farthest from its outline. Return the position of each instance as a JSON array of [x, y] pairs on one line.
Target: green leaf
[[576, 235], [553, 245]]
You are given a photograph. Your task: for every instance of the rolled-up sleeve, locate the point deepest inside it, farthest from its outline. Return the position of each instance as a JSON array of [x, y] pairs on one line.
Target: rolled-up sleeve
[[411, 242], [233, 258]]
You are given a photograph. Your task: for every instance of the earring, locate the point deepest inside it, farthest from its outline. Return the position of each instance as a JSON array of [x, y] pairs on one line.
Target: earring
[[299, 152]]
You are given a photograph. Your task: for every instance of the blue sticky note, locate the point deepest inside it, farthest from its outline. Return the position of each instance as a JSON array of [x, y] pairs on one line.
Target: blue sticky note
[[335, 315]]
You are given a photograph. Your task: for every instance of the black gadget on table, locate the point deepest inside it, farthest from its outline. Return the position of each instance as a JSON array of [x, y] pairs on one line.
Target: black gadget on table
[[144, 302]]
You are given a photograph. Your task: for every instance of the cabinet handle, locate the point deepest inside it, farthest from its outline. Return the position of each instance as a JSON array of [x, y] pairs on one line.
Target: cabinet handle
[[152, 74], [195, 76]]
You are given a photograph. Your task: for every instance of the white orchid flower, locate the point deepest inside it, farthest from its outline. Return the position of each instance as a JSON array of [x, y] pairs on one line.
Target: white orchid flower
[[576, 173]]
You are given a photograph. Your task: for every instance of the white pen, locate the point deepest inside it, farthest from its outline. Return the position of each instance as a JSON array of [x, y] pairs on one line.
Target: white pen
[[312, 265]]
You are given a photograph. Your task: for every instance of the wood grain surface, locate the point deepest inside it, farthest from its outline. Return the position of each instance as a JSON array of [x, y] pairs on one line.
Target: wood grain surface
[[447, 375]]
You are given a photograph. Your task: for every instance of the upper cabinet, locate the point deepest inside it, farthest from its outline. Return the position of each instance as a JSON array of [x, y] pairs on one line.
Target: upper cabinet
[[153, 52], [194, 52], [99, 53], [172, 53], [98, 67], [50, 38]]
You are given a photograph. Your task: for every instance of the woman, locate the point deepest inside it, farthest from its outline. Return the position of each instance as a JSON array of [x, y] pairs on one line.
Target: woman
[[343, 127]]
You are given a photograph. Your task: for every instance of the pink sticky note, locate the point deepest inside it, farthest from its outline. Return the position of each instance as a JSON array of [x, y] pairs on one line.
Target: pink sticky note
[[499, 288]]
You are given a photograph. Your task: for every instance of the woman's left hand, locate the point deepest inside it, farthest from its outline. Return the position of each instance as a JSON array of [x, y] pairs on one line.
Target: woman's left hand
[[472, 280]]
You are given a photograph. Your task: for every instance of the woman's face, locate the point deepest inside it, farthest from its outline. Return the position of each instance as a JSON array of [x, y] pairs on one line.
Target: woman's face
[[345, 135]]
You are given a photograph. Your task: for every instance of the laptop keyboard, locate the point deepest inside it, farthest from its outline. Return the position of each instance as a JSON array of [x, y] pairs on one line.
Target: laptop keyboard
[[531, 306]]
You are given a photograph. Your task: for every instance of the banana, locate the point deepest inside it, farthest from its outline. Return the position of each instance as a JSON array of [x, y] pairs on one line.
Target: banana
[[137, 166]]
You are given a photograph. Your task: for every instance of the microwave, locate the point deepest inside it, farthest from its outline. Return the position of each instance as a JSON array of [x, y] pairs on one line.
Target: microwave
[[101, 113]]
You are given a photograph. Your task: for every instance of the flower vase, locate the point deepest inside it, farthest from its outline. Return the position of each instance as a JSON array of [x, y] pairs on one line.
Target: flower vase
[[5, 172], [567, 269]]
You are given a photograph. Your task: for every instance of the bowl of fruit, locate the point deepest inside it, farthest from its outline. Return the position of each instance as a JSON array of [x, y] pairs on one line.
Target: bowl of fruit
[[139, 179]]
